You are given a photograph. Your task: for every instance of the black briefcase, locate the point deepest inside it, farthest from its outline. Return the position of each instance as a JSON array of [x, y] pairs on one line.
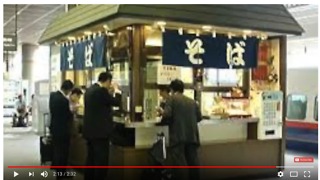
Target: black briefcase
[[46, 148], [158, 151], [158, 157]]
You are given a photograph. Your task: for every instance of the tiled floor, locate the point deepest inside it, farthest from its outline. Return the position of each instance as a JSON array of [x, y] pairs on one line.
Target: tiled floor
[[21, 147]]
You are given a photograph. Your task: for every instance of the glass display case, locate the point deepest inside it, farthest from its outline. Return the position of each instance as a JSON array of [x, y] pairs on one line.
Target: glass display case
[[207, 102], [237, 107], [223, 105]]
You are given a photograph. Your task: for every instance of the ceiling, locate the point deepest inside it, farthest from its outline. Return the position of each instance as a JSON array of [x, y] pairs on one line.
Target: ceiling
[[33, 19], [307, 16]]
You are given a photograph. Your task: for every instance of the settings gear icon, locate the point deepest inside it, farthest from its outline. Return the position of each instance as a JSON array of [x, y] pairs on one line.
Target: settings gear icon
[[280, 174]]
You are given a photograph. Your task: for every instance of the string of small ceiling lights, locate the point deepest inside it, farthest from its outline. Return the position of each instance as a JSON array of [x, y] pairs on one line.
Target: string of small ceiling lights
[[162, 25]]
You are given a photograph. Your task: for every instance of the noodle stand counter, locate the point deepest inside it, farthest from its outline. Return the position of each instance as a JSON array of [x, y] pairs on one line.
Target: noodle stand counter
[[224, 59], [210, 131]]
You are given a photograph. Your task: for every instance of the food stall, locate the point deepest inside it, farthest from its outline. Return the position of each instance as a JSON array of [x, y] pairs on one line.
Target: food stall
[[232, 59]]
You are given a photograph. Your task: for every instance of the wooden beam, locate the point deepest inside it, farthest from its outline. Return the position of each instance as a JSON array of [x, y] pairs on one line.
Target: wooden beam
[[138, 71], [283, 88]]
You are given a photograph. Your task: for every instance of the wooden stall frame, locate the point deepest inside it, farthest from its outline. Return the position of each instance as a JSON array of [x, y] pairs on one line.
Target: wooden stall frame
[[283, 88], [137, 71]]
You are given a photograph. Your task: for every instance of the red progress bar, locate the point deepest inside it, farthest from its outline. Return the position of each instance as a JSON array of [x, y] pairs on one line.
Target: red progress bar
[[143, 167]]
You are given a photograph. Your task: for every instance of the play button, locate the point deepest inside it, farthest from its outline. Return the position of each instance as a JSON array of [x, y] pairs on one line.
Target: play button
[[15, 174]]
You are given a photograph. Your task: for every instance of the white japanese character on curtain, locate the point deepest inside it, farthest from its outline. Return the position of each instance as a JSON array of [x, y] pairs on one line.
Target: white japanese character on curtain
[[194, 48], [235, 54], [70, 58], [88, 55]]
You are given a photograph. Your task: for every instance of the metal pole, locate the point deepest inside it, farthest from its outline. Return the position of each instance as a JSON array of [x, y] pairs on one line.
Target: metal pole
[[16, 20], [7, 60]]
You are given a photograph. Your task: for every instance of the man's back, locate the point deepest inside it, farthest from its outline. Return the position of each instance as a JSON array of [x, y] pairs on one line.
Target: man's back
[[98, 121], [61, 116], [184, 114]]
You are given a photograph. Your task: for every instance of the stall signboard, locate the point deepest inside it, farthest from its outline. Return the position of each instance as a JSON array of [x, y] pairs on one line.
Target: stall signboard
[[83, 55], [9, 43], [190, 50]]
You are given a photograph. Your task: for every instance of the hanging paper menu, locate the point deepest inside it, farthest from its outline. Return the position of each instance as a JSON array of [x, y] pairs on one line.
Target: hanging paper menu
[[167, 73], [164, 74]]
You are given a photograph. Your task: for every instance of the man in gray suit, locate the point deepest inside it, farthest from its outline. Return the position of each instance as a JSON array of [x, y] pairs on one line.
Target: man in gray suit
[[182, 115]]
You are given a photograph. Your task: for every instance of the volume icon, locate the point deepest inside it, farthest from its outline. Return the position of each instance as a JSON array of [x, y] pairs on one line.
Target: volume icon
[[44, 174]]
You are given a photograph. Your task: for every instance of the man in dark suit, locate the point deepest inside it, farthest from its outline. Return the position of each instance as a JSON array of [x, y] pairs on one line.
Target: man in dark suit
[[60, 125], [98, 124], [183, 114]]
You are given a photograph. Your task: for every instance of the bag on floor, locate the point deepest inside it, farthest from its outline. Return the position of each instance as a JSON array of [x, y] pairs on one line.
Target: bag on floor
[[158, 157], [46, 148]]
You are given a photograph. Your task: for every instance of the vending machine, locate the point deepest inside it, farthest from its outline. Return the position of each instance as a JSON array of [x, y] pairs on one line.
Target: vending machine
[[40, 108], [269, 110]]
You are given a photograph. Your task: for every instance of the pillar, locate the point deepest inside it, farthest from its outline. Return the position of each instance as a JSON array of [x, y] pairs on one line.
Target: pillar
[[28, 62], [68, 7]]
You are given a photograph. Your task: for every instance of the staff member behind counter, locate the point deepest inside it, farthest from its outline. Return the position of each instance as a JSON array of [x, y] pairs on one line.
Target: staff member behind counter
[[98, 124], [75, 96], [165, 94]]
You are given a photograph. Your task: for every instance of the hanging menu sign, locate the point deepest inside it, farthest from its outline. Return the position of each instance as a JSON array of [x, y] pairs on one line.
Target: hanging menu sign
[[9, 43], [205, 51], [166, 74], [84, 55]]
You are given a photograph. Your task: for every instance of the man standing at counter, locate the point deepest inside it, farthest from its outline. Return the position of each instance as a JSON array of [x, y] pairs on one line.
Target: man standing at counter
[[182, 115], [98, 124], [60, 126]]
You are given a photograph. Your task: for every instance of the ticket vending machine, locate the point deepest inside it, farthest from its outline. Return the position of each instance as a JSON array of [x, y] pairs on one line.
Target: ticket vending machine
[[269, 111]]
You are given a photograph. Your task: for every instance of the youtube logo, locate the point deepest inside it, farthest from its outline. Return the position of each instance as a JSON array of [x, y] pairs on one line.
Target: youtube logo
[[31, 174]]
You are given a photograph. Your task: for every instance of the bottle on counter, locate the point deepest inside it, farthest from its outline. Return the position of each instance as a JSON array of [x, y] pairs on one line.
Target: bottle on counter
[[138, 114]]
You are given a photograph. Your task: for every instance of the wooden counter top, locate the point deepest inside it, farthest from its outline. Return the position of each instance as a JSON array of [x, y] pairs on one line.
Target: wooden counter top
[[153, 123]]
